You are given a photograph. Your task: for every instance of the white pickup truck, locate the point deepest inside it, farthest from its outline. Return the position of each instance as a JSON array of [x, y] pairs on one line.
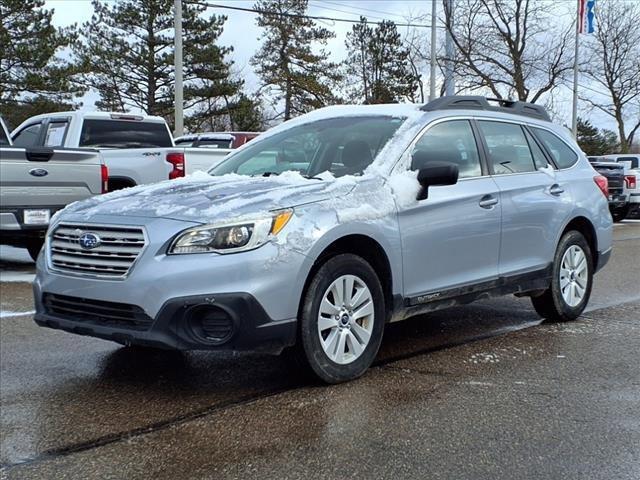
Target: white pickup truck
[[38, 181], [137, 149], [631, 163]]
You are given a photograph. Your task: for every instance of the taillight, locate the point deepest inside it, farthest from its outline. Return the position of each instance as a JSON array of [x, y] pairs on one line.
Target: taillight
[[177, 160], [104, 178], [603, 184], [630, 180]]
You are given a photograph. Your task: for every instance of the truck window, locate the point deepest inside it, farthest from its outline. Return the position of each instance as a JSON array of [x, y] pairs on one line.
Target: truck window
[[28, 136], [124, 134], [56, 132]]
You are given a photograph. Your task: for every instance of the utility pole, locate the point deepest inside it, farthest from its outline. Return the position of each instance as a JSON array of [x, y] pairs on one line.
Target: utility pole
[[574, 118], [449, 81], [432, 74], [178, 94]]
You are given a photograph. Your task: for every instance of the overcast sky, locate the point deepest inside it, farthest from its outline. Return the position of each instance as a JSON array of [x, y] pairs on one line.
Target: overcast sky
[[241, 32]]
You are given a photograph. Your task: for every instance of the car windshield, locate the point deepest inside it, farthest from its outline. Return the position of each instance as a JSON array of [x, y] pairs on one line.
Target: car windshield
[[342, 146]]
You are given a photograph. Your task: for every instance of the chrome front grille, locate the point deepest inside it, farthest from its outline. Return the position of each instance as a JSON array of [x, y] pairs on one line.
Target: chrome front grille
[[118, 249]]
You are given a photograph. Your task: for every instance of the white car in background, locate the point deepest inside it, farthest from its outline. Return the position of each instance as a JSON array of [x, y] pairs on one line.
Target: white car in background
[[631, 164], [137, 149]]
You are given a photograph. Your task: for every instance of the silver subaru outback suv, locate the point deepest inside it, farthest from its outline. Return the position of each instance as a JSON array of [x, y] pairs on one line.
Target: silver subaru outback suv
[[315, 235]]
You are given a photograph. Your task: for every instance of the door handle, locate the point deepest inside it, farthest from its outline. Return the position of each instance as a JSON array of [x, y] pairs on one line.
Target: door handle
[[488, 201], [556, 190]]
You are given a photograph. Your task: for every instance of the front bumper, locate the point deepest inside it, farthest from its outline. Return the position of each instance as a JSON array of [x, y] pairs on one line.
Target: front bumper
[[259, 290], [178, 325]]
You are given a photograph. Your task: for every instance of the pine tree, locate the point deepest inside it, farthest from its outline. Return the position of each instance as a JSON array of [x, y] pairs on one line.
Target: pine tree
[[378, 64], [127, 56], [286, 63], [595, 142], [29, 66]]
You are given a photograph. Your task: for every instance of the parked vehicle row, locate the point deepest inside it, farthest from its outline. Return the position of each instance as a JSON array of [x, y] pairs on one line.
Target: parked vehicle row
[[316, 234]]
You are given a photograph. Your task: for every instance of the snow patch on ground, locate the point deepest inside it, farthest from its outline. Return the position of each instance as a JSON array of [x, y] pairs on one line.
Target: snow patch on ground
[[10, 314], [16, 277]]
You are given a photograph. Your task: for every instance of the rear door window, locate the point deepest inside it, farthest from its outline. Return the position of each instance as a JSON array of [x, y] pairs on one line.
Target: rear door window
[[29, 136], [56, 131], [509, 150], [563, 155], [99, 133]]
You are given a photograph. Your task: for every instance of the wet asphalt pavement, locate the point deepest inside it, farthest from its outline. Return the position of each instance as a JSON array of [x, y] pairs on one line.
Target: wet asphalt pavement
[[481, 391]]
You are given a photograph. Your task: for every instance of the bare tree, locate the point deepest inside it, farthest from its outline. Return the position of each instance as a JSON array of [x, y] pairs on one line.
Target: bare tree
[[510, 47], [615, 65]]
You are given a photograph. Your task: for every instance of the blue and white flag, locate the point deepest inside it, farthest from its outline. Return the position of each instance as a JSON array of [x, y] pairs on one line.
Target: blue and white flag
[[586, 16]]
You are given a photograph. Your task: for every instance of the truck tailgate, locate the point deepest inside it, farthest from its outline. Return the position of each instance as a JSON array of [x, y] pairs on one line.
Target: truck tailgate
[[48, 177], [139, 165]]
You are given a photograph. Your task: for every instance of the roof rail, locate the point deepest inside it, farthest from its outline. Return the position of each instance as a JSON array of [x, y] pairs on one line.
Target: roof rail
[[473, 102]]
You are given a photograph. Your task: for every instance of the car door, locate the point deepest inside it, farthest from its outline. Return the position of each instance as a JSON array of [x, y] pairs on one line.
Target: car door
[[535, 201], [451, 239]]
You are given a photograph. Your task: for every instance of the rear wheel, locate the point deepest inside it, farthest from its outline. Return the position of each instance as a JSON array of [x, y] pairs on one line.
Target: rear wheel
[[342, 319], [571, 282]]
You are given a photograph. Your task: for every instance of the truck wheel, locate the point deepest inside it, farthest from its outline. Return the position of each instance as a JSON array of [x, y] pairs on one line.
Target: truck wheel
[[571, 281], [33, 247], [342, 319], [620, 214]]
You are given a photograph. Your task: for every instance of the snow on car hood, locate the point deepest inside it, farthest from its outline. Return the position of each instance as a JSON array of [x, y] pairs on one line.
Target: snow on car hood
[[204, 198]]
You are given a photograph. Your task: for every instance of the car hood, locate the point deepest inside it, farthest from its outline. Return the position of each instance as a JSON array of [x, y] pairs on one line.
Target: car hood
[[203, 198]]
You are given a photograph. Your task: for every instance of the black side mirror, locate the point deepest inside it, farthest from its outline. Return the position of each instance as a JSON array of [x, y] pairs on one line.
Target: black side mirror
[[436, 174]]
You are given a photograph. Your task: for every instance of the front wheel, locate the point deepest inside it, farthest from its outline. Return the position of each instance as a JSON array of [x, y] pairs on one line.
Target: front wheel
[[342, 319], [571, 282]]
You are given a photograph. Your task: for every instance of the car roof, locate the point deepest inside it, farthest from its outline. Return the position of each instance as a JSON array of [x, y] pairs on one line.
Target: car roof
[[101, 116]]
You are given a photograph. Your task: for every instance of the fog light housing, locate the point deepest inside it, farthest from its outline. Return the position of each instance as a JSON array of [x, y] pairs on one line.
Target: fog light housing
[[210, 324]]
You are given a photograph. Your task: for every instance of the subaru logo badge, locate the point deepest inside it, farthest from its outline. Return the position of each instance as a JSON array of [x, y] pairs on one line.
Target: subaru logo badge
[[89, 240]]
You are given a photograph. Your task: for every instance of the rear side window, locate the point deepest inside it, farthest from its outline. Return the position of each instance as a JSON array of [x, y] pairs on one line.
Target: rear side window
[[28, 136], [563, 155], [453, 141], [56, 132], [124, 134], [509, 150]]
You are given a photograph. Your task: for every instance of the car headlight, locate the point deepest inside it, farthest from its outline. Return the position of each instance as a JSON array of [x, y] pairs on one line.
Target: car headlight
[[230, 237]]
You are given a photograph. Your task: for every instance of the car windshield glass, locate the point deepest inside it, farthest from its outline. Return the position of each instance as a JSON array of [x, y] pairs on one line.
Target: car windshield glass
[[124, 134], [342, 146]]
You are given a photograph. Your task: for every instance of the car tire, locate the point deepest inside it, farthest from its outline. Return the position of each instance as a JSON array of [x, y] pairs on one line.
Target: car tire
[[571, 281], [339, 337], [620, 214], [34, 247]]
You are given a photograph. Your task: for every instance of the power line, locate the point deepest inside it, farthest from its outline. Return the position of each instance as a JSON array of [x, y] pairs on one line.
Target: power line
[[297, 15], [360, 9]]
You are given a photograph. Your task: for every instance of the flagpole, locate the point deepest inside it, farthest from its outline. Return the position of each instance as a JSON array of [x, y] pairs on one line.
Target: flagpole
[[574, 120]]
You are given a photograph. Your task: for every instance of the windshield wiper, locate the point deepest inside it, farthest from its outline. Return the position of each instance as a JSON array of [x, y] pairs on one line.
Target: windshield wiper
[[268, 174]]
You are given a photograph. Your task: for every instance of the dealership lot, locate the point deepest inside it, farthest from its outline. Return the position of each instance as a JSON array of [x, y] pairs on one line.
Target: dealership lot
[[474, 392]]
